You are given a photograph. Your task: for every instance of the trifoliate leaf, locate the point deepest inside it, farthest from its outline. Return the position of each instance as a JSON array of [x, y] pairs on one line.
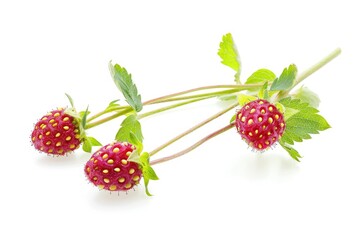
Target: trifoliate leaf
[[261, 76], [125, 84], [229, 55], [286, 79], [70, 100], [308, 96], [264, 93], [304, 120], [244, 99], [128, 126], [292, 152]]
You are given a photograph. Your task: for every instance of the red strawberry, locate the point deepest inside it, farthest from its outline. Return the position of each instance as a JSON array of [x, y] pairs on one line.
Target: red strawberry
[[109, 168], [56, 133], [260, 123]]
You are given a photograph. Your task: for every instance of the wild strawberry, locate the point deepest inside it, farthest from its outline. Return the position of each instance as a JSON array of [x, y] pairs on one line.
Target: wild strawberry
[[56, 133], [260, 123], [109, 168]]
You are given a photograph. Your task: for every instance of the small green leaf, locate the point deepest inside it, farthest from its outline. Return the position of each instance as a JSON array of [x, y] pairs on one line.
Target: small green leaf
[[308, 96], [136, 142], [244, 99], [147, 170], [233, 118], [292, 152], [70, 100], [229, 55], [286, 79], [261, 76], [264, 93], [129, 125], [134, 157], [84, 116], [93, 141], [125, 84], [301, 121], [87, 145]]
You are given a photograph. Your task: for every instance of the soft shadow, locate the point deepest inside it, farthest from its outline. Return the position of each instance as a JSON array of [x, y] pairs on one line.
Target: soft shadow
[[265, 166], [72, 159]]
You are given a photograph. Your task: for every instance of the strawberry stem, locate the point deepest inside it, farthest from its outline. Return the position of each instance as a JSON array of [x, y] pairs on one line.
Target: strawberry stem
[[192, 147], [192, 129]]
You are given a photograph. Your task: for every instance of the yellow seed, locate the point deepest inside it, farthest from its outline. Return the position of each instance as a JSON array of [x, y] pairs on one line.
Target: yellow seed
[[132, 147], [58, 135], [125, 143], [66, 119], [55, 124], [121, 180], [49, 114], [77, 136], [44, 118], [274, 139], [33, 139], [260, 146], [48, 143], [95, 178], [275, 128], [271, 108], [282, 124], [76, 130], [108, 147], [128, 185], [247, 107], [250, 121], [50, 151], [252, 110], [267, 142], [92, 159], [243, 119], [124, 162], [263, 111], [110, 161], [42, 149], [270, 120], [112, 188], [239, 116], [131, 171], [72, 146], [277, 116], [51, 121], [105, 171], [260, 136], [116, 150], [106, 180], [269, 133], [68, 138], [263, 127], [101, 186], [60, 151], [66, 128], [58, 144], [40, 136], [261, 102], [60, 108], [117, 169], [88, 169], [136, 178], [250, 134], [256, 131], [47, 133], [42, 126], [260, 119], [128, 153], [56, 114], [105, 156], [36, 127], [95, 161]]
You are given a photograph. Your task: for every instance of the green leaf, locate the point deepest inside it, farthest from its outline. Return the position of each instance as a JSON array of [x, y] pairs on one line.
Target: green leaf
[[292, 152], [233, 118], [84, 116], [303, 121], [244, 99], [87, 145], [135, 157], [261, 76], [93, 141], [264, 93], [128, 126], [125, 84], [136, 142], [70, 100], [286, 79], [308, 96], [147, 170], [229, 55]]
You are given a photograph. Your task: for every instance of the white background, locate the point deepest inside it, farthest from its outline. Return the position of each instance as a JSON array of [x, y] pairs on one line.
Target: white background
[[220, 190]]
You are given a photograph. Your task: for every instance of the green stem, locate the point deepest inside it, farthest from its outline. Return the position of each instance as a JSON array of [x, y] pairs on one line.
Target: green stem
[[192, 147], [107, 110], [118, 114], [192, 129]]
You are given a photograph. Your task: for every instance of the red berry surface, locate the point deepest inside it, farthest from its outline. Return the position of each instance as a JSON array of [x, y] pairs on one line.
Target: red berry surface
[[260, 123], [109, 168], [56, 133]]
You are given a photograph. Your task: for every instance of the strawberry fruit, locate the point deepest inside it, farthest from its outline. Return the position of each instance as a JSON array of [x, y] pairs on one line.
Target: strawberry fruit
[[109, 168], [56, 133], [260, 124]]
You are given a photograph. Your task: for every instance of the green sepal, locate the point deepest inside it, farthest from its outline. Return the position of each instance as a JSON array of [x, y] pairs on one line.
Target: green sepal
[[136, 142], [264, 93], [233, 118], [89, 142], [129, 125], [126, 85], [261, 76], [244, 99], [229, 55], [286, 79], [70, 100]]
